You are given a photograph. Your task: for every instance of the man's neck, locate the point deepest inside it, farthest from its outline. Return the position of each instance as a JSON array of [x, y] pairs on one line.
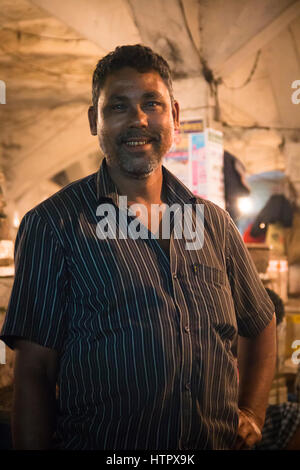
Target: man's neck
[[146, 191]]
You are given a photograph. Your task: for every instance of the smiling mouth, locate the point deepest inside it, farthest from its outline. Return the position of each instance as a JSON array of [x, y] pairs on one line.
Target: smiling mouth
[[138, 142]]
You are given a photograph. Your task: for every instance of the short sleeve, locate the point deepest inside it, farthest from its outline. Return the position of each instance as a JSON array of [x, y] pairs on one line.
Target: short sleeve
[[37, 306], [254, 309]]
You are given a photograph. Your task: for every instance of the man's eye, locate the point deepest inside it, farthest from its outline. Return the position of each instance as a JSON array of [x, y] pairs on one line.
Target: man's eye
[[118, 107], [152, 104]]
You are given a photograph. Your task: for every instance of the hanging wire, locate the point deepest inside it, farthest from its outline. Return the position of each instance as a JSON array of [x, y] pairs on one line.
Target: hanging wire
[[215, 82], [21, 63], [19, 31], [255, 126], [207, 72], [40, 36], [31, 121], [248, 80], [48, 139], [28, 65]]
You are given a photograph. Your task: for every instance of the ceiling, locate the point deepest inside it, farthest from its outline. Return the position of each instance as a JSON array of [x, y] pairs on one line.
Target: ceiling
[[233, 63]]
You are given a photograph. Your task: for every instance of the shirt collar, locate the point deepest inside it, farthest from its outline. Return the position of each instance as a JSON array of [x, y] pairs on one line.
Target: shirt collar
[[106, 188], [176, 192]]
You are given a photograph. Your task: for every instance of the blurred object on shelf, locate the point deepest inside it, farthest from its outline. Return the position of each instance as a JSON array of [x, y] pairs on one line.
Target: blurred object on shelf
[[293, 254], [279, 392], [294, 280], [235, 184], [277, 275], [260, 253], [275, 238], [292, 309], [281, 344], [290, 368], [278, 209], [6, 258], [247, 237], [292, 237], [6, 252]]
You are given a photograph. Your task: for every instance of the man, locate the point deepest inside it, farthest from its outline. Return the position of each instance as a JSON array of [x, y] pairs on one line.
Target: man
[[136, 331]]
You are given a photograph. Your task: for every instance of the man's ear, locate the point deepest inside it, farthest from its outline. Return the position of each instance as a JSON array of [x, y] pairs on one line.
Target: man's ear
[[175, 113], [92, 114]]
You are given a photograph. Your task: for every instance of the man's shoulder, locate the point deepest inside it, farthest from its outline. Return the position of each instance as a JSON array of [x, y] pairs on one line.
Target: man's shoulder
[[213, 213], [68, 201], [70, 193]]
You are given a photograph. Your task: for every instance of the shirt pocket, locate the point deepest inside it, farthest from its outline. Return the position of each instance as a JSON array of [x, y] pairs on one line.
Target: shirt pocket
[[215, 302]]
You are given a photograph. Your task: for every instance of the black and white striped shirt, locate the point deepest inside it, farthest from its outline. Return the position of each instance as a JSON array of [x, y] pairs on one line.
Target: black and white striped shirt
[[145, 340]]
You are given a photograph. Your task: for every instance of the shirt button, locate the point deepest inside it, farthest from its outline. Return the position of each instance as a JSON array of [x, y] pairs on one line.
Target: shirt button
[[174, 276], [188, 386], [186, 329]]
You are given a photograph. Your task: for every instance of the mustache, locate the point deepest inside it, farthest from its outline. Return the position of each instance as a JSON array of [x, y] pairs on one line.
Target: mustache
[[131, 133]]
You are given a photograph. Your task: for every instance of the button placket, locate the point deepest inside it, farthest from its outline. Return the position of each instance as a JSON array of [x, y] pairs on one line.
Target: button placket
[[186, 349]]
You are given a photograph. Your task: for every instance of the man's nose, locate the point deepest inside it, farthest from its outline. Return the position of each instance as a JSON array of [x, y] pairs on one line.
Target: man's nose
[[138, 117]]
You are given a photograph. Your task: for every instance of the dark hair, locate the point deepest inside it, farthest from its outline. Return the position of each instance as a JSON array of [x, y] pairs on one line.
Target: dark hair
[[139, 57], [278, 305]]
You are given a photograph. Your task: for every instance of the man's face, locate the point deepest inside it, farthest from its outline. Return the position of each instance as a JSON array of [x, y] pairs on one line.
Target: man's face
[[135, 121]]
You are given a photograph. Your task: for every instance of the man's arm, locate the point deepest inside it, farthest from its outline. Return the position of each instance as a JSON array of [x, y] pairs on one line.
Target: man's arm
[[33, 414], [256, 363]]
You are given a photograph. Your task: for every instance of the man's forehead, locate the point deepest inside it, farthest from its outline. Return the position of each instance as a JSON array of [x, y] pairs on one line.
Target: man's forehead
[[129, 79]]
